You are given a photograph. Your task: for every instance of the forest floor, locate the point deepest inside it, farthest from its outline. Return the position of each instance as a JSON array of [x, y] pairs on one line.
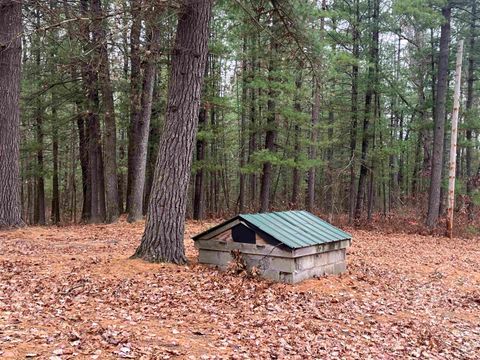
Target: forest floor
[[71, 292]]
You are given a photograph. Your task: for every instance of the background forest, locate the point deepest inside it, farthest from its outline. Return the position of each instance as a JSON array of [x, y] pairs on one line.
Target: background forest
[[341, 107]]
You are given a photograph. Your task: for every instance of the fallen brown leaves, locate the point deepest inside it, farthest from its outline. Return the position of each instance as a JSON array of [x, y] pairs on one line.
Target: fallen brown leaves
[[71, 292]]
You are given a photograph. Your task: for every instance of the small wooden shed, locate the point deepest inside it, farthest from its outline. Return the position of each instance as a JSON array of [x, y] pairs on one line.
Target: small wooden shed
[[287, 246]]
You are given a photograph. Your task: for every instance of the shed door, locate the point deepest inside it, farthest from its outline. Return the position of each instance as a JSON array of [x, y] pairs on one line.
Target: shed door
[[243, 234]]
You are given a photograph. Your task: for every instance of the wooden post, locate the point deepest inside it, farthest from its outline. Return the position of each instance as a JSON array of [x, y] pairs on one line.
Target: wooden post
[[453, 142]]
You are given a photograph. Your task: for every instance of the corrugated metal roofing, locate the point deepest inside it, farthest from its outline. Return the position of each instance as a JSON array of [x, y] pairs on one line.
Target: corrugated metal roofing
[[296, 229]]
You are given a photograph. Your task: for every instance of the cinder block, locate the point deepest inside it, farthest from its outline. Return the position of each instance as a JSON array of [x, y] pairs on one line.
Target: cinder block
[[321, 259], [305, 262], [287, 278], [270, 274], [335, 256], [329, 269], [283, 264], [308, 274], [214, 257], [339, 267]]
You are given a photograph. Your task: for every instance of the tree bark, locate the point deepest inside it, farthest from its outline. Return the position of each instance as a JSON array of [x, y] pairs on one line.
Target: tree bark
[[135, 97], [152, 147], [199, 191], [110, 128], [271, 131], [55, 211], [243, 130], [453, 140], [296, 142], [312, 153], [10, 68], [468, 108], [95, 176], [439, 131], [140, 129], [162, 239], [39, 213], [354, 108], [252, 141], [372, 77]]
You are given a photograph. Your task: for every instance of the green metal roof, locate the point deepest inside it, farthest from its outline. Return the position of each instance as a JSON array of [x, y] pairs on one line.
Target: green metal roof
[[296, 229]]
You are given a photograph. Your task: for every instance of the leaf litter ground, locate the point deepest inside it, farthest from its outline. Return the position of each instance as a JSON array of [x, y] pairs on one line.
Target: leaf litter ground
[[71, 292]]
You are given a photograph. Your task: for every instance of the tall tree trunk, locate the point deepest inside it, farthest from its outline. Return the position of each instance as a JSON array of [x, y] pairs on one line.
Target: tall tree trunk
[[453, 140], [152, 147], [162, 240], [312, 153], [296, 142], [329, 194], [376, 115], [95, 176], [135, 97], [121, 175], [252, 141], [468, 108], [422, 112], [39, 213], [199, 191], [110, 133], [243, 130], [354, 108], [138, 158], [271, 131], [83, 154], [372, 77], [439, 131], [80, 115], [55, 213], [10, 58], [55, 210]]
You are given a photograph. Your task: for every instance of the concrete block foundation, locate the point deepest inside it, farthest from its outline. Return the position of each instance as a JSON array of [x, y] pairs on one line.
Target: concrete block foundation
[[277, 264]]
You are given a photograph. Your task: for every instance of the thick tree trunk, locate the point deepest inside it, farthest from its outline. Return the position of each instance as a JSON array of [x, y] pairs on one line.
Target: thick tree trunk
[[135, 99], [95, 176], [439, 131], [110, 133], [162, 240], [10, 60], [141, 130]]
